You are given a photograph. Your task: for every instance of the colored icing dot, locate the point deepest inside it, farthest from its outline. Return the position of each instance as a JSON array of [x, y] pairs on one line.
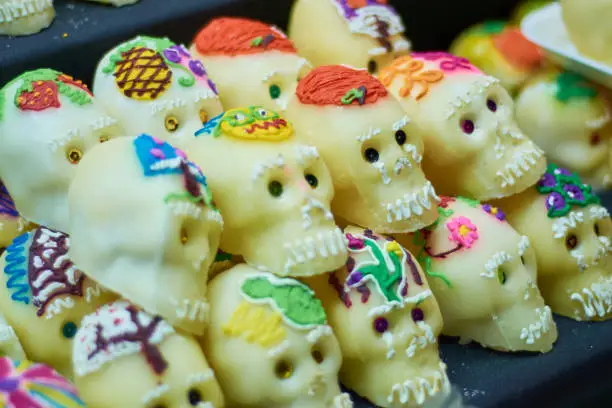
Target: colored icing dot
[[69, 329], [283, 369], [312, 180], [172, 55], [548, 180], [74, 156], [501, 276], [194, 396], [275, 91], [565, 172], [417, 314], [571, 242], [354, 278], [400, 137], [574, 192], [197, 68], [275, 188], [371, 155], [381, 324], [372, 66], [491, 105], [467, 126], [595, 139], [555, 200]]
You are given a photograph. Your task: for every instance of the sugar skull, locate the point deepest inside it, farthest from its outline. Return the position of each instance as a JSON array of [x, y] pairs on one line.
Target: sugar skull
[[28, 384], [570, 232], [25, 17], [125, 357], [474, 145], [269, 342], [152, 85], [588, 28], [570, 120], [273, 192], [11, 224], [48, 121], [386, 321], [116, 3], [500, 50], [146, 227], [373, 150], [43, 296], [227, 45], [483, 275], [360, 33]]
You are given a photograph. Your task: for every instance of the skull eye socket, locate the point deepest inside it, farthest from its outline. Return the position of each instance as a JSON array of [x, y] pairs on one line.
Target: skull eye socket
[[275, 188], [418, 315], [595, 139], [596, 229], [283, 369], [103, 138], [372, 66], [380, 325], [317, 355], [400, 137], [74, 155], [312, 180], [171, 123], [522, 259], [203, 115], [571, 241], [467, 126], [501, 276], [194, 396], [69, 330], [184, 236], [275, 91], [371, 155], [491, 105]]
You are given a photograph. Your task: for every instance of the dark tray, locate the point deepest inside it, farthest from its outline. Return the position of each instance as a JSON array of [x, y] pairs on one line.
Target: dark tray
[[575, 374]]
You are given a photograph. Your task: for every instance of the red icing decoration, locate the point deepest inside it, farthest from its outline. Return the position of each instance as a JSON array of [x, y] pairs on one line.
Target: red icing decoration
[[517, 49], [445, 201], [328, 85], [67, 79], [44, 95], [240, 36], [447, 62]]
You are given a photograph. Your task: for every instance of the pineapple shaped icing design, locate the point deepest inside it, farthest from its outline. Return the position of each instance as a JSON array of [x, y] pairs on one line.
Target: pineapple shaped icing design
[[144, 68]]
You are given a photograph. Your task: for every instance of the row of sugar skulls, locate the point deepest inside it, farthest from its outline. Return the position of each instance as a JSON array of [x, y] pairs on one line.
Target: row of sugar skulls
[[26, 17]]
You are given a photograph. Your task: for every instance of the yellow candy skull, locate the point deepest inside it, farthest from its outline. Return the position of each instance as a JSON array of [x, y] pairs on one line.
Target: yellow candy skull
[[124, 357], [474, 146], [570, 232], [475, 259], [44, 296], [570, 120], [387, 322], [273, 192]]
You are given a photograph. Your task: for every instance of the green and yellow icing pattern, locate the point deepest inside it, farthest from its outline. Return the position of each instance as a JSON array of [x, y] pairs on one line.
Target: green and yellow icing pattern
[[251, 123]]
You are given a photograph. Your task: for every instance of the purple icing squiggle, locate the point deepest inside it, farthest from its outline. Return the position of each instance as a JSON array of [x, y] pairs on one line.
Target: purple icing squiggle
[[7, 206], [350, 12]]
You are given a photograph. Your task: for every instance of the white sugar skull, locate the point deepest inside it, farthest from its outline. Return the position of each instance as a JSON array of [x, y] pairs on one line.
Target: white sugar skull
[[363, 33], [125, 357], [25, 17], [387, 323], [145, 227], [229, 45], [474, 146], [570, 120], [154, 86], [43, 296], [483, 274], [273, 192], [269, 343], [11, 224], [373, 150], [48, 121], [570, 232], [116, 3]]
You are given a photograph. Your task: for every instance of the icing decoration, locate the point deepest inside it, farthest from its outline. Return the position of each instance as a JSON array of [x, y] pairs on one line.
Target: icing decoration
[[39, 270], [116, 330], [572, 86], [295, 301], [331, 85], [252, 123], [494, 211], [448, 63], [564, 190], [371, 17], [40, 90], [158, 157], [24, 384], [257, 325], [7, 206], [145, 73], [462, 231], [411, 70], [240, 36]]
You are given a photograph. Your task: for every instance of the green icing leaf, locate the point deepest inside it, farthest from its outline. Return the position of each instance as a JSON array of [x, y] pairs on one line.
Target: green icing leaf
[[117, 55], [76, 96], [256, 41], [472, 203], [571, 85], [294, 300], [425, 260], [492, 27]]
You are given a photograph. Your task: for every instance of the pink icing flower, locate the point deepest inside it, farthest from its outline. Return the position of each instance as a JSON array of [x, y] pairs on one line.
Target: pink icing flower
[[462, 231]]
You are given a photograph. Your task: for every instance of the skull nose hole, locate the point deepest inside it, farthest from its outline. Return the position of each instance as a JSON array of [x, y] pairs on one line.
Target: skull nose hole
[[184, 235]]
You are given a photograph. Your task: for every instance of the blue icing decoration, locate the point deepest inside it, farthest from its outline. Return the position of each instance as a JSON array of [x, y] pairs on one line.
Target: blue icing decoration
[[210, 126], [159, 157], [16, 268]]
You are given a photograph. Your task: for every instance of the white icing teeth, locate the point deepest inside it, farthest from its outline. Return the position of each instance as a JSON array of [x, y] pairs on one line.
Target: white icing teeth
[[15, 10], [322, 245], [421, 341], [419, 389], [535, 331], [523, 162], [596, 300], [343, 401], [412, 204], [603, 250], [309, 207]]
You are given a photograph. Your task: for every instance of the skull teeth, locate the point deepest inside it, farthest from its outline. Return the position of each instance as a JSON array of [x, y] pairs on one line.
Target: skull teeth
[[322, 245], [419, 389], [412, 204], [535, 330], [596, 300], [17, 10], [523, 162]]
